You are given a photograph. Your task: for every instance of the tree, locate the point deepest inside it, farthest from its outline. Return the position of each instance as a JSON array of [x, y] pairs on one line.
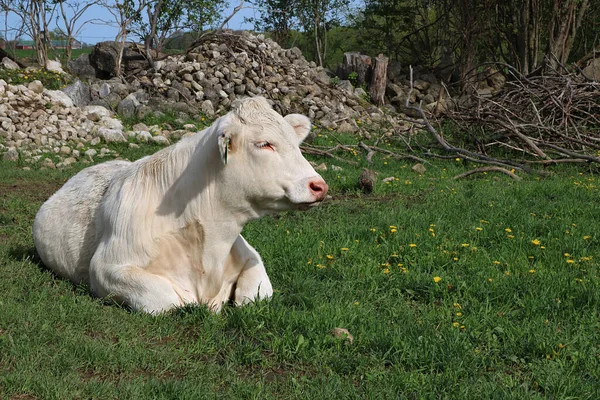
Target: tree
[[71, 12], [125, 12], [35, 17], [163, 18]]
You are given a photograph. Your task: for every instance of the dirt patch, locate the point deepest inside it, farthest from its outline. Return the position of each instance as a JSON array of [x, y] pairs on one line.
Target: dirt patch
[[37, 191]]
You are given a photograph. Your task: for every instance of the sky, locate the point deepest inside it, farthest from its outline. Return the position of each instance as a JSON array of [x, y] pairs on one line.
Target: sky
[[98, 31]]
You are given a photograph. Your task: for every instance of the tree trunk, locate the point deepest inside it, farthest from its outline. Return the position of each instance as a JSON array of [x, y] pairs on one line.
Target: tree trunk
[[378, 84], [565, 22], [357, 63]]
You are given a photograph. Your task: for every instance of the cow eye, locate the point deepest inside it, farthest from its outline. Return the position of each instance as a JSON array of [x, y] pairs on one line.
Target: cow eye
[[264, 145]]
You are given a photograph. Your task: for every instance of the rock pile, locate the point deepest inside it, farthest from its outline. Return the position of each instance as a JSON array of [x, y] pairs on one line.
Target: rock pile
[[37, 124], [230, 65]]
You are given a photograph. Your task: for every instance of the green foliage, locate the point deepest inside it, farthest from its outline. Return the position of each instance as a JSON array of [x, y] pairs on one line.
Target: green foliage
[[50, 80], [477, 288]]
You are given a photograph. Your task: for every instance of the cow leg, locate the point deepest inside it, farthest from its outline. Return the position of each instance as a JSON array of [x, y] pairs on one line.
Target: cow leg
[[253, 282], [137, 288]]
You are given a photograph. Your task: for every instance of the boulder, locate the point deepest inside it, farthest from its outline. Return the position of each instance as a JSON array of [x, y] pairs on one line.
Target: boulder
[[592, 71], [54, 66], [79, 93], [7, 63], [59, 97], [81, 67]]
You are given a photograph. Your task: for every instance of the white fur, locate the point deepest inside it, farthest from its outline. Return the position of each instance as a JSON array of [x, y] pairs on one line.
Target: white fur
[[165, 230]]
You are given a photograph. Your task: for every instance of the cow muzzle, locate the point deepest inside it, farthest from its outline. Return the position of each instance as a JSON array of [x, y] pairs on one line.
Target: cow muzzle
[[318, 188]]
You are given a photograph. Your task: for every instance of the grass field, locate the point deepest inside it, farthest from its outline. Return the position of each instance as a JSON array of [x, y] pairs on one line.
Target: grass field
[[477, 288]]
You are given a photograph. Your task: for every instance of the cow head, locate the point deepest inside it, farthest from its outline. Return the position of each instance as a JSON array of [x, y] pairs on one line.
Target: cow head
[[260, 152]]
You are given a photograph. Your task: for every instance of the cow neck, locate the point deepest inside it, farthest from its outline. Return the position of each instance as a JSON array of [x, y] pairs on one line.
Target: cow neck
[[197, 192]]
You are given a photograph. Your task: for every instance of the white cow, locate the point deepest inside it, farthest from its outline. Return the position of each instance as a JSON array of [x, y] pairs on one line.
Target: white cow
[[165, 230]]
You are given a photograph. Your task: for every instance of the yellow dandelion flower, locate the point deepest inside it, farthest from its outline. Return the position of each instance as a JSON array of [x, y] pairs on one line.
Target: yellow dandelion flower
[[490, 279], [393, 230], [386, 271], [400, 265], [587, 237], [412, 245], [496, 262], [456, 305], [462, 327], [536, 242], [569, 261], [344, 249], [373, 230], [457, 158], [465, 245], [437, 279], [478, 229], [507, 230], [455, 258], [403, 270], [507, 273], [455, 324], [532, 271], [385, 264], [321, 266], [356, 303], [329, 257], [393, 227], [459, 314], [510, 236], [566, 255]]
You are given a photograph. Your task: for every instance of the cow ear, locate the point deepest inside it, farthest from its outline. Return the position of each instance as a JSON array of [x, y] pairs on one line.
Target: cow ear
[[229, 129], [301, 125], [224, 145]]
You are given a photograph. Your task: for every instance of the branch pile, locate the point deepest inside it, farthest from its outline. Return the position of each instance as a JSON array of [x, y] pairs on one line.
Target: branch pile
[[552, 117]]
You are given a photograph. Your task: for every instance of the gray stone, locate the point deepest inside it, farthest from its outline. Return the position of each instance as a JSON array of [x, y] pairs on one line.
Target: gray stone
[[36, 86], [160, 140], [419, 168], [90, 153], [81, 67], [207, 108], [79, 93], [48, 163], [11, 155], [128, 106], [59, 97], [111, 135], [7, 63]]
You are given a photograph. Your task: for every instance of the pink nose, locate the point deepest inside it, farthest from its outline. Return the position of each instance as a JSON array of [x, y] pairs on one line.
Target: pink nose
[[318, 188]]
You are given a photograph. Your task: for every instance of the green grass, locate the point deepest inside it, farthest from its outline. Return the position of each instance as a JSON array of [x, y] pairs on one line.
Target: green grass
[[514, 313]]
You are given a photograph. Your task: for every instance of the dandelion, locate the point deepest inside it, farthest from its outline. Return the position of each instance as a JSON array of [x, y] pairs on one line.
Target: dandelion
[[457, 158], [329, 257], [373, 230], [566, 255], [387, 264], [455, 258], [510, 236], [532, 271], [507, 230], [320, 266], [459, 314], [489, 279], [496, 263], [344, 249], [507, 273], [412, 245], [536, 242], [356, 303], [456, 305], [478, 229], [403, 270], [587, 237], [386, 271], [436, 279], [560, 345], [465, 245], [570, 261], [393, 230], [455, 324]]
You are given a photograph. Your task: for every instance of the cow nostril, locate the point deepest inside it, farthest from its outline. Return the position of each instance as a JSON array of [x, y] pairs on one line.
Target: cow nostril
[[318, 188], [315, 187]]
